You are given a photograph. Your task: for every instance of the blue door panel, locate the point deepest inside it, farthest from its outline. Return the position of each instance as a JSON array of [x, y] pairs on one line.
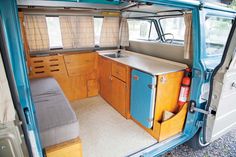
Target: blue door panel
[[14, 45], [142, 97]]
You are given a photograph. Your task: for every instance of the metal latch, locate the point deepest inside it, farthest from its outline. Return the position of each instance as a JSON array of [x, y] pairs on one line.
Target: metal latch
[[193, 109], [150, 120], [152, 86]]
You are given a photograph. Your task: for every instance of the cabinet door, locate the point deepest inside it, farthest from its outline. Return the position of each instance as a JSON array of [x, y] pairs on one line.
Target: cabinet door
[[105, 78], [143, 97], [119, 95], [80, 64]]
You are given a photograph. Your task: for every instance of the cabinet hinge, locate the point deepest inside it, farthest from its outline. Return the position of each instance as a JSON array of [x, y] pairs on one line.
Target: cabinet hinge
[[193, 109], [150, 120], [152, 86]]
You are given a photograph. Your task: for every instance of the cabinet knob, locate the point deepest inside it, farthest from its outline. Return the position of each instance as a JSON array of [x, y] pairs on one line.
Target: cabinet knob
[[136, 77]]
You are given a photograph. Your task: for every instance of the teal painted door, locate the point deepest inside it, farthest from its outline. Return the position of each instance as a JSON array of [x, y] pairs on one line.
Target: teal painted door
[[142, 97], [11, 41]]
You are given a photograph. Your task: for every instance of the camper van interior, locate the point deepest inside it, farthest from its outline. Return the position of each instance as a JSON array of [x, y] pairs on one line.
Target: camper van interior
[[106, 79]]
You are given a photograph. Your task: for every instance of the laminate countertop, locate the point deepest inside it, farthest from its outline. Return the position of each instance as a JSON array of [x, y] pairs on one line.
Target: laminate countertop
[[149, 64]]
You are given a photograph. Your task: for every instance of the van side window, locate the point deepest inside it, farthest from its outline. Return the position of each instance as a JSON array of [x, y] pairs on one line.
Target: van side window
[[142, 30], [54, 32], [216, 33], [175, 26], [97, 30]]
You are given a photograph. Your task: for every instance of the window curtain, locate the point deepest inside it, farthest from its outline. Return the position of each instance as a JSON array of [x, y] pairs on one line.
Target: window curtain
[[110, 32], [77, 31], [86, 31], [124, 33], [36, 32], [188, 36]]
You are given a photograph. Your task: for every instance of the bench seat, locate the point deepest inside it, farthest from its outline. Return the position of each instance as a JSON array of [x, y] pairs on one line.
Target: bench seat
[[56, 119]]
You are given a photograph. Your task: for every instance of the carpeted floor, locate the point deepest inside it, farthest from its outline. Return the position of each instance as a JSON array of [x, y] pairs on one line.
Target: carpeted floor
[[105, 133]]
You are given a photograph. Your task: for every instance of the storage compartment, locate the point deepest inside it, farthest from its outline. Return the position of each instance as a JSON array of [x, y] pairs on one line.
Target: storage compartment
[[167, 101], [92, 86], [76, 73], [118, 89], [143, 97], [105, 78], [119, 71], [80, 64], [115, 85], [172, 126]]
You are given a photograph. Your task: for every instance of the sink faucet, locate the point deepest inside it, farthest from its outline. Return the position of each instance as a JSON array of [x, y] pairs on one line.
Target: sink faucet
[[118, 53]]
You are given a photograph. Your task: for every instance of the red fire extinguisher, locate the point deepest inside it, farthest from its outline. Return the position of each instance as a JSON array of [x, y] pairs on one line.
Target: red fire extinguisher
[[184, 90]]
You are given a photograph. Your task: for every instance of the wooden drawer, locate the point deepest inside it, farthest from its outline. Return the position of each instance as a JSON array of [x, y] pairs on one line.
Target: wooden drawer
[[119, 71], [80, 64]]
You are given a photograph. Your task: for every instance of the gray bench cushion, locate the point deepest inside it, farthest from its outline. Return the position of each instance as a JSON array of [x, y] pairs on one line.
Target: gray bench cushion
[[57, 120]]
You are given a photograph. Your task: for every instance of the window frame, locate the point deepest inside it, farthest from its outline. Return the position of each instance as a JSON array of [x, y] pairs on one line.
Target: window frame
[[152, 21], [205, 43], [59, 47], [162, 32]]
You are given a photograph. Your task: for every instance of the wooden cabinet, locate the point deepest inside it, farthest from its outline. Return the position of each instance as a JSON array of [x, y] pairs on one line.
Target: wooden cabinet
[[80, 64], [47, 66], [77, 73], [119, 95], [105, 78], [82, 72], [115, 85], [119, 71], [166, 99]]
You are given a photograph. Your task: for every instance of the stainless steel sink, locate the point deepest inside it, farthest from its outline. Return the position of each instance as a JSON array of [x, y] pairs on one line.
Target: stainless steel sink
[[114, 55]]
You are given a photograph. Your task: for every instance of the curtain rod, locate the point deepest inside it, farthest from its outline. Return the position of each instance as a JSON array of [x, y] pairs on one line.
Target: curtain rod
[[65, 12], [145, 17]]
